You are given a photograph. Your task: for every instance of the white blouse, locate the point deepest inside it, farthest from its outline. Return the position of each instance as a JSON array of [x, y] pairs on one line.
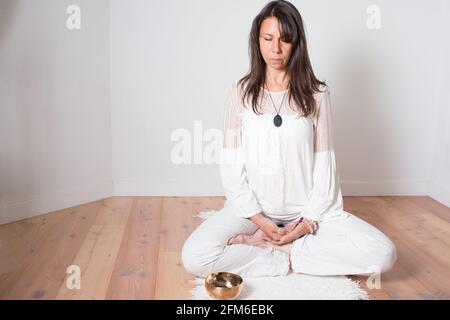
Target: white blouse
[[284, 172]]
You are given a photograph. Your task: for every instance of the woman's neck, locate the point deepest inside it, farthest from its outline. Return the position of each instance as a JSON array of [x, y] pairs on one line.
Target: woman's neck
[[277, 79]]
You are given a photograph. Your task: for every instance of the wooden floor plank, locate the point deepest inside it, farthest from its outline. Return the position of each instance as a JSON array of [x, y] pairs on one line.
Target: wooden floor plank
[[98, 252], [134, 274], [177, 222]]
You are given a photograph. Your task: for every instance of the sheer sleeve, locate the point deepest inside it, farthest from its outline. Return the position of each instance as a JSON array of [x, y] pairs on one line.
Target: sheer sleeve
[[232, 166], [325, 196]]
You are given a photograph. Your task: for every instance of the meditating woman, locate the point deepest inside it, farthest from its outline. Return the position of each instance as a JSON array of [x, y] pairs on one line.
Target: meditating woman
[[284, 208]]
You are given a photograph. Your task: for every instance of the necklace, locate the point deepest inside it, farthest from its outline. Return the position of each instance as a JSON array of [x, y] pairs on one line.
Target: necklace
[[277, 120]]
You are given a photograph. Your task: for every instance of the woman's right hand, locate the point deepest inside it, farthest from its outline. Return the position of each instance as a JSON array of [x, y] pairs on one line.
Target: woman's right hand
[[272, 231]]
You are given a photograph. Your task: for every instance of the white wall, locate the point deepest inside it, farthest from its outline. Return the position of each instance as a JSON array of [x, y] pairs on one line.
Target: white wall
[[171, 62], [440, 181], [54, 107], [88, 114]]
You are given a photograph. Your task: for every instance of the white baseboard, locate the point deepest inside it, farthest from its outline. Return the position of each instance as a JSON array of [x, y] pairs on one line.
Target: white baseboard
[[440, 193], [414, 188], [385, 188], [53, 201]]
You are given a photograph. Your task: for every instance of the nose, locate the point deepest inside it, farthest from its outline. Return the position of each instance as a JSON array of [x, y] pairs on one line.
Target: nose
[[275, 47]]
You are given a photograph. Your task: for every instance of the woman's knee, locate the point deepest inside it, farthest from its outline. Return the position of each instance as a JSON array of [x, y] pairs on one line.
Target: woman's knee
[[378, 252], [387, 260], [382, 257], [199, 257]]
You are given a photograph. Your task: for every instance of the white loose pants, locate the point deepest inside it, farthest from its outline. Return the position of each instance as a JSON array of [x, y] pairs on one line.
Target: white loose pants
[[346, 246]]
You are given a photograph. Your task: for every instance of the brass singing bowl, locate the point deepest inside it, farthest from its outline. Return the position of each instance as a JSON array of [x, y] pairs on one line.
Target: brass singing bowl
[[224, 285]]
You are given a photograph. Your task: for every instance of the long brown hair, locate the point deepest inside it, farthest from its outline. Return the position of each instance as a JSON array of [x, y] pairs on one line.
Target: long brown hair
[[303, 82]]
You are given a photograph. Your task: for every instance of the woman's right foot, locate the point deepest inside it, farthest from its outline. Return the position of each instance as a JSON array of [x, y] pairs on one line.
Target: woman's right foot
[[258, 239]]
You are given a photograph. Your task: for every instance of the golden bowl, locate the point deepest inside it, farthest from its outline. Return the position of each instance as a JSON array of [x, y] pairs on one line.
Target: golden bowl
[[224, 285]]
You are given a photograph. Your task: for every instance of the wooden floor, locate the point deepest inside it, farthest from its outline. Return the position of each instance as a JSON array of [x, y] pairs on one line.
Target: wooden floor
[[129, 248]]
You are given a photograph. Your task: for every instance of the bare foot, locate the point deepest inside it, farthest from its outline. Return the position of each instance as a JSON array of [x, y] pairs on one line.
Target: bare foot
[[257, 239]]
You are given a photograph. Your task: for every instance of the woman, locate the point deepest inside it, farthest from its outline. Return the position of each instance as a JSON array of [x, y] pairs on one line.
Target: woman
[[284, 208]]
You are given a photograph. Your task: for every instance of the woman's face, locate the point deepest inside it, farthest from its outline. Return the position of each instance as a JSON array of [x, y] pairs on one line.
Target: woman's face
[[275, 52]]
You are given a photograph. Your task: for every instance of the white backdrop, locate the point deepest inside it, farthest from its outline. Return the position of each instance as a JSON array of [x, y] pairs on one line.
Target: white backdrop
[[55, 128], [139, 71]]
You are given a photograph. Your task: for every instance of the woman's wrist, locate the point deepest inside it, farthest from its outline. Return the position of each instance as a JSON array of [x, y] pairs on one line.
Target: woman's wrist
[[256, 218]]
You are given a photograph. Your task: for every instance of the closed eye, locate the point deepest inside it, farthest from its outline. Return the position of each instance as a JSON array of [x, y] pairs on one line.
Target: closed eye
[[282, 40]]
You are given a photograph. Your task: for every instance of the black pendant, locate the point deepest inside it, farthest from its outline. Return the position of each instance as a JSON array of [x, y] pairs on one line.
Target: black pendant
[[277, 121]]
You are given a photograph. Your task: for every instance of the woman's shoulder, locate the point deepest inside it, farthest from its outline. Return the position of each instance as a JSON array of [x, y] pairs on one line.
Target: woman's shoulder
[[234, 93], [236, 88], [322, 95], [323, 89], [232, 90]]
